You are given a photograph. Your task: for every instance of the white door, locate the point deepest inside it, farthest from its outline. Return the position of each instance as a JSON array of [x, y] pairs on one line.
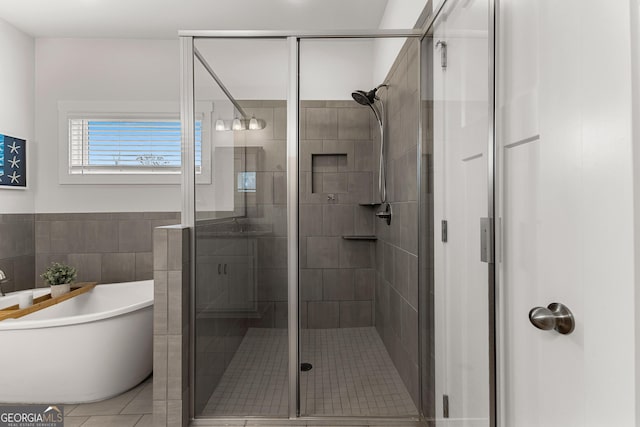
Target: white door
[[460, 92], [565, 169]]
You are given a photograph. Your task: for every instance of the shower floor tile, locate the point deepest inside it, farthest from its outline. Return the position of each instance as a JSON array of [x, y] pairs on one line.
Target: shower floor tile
[[255, 382], [352, 375]]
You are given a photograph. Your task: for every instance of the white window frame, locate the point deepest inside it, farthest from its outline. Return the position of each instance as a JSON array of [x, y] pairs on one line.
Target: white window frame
[[128, 110]]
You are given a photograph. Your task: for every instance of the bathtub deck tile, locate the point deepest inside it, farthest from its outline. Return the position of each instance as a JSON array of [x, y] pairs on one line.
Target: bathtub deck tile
[[112, 421]]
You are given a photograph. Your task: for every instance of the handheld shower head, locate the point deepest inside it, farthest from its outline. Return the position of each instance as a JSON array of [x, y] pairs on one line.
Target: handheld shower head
[[369, 99], [364, 98]]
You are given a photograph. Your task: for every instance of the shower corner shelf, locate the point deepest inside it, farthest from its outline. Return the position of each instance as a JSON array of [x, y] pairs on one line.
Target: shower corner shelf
[[370, 238], [371, 204]]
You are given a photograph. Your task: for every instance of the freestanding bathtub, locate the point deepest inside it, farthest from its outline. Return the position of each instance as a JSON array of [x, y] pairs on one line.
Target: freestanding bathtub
[[88, 348]]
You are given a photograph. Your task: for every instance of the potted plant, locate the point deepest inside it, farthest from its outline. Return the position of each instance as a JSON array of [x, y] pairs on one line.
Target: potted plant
[[59, 277]]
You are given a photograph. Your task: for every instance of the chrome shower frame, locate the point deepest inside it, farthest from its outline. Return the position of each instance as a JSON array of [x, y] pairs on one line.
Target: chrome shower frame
[[187, 99], [187, 49]]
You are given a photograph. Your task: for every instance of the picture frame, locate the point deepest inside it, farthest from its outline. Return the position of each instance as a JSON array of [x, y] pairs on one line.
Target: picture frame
[[13, 163]]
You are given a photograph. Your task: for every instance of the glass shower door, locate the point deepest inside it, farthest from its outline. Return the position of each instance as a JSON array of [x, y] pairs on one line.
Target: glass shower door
[[241, 341], [357, 275], [459, 113]]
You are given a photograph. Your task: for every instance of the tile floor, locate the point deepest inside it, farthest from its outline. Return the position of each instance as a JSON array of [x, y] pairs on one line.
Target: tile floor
[[352, 375], [132, 408]]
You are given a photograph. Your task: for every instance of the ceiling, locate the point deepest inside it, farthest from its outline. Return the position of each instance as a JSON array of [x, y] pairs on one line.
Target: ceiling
[[163, 18]]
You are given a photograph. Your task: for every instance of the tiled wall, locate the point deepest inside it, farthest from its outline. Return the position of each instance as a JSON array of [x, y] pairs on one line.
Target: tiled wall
[[337, 164], [396, 294], [171, 271], [17, 251], [267, 209], [104, 247], [337, 276]]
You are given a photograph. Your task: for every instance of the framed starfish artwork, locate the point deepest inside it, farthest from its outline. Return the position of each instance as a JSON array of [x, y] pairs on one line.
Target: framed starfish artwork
[[13, 162]]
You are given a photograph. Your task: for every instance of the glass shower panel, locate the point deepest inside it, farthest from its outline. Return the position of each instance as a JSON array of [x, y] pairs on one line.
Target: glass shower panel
[[358, 275], [456, 139], [241, 235]]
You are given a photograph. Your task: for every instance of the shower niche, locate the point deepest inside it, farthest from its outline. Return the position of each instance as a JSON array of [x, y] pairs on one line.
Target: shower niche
[[328, 174]]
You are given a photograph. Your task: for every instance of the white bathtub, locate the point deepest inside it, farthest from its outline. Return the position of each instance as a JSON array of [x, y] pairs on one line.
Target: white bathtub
[[88, 348]]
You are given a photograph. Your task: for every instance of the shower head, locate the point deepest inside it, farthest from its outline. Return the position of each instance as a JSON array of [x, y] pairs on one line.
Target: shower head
[[369, 99], [364, 98]]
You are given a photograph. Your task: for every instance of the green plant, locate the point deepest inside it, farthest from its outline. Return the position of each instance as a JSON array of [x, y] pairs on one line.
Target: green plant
[[59, 274]]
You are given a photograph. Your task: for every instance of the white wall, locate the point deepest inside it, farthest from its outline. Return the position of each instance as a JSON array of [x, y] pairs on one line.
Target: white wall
[[399, 14], [99, 70], [635, 82], [17, 109], [148, 70], [258, 69], [332, 69]]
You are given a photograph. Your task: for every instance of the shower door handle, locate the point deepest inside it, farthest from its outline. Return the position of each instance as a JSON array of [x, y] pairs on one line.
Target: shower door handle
[[555, 316]]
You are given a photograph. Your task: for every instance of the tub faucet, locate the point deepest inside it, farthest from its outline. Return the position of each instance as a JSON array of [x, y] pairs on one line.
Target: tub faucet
[[3, 279]]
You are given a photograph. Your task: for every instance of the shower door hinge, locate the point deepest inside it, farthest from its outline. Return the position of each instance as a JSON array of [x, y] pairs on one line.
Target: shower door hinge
[[445, 230], [486, 240], [445, 406], [443, 53]]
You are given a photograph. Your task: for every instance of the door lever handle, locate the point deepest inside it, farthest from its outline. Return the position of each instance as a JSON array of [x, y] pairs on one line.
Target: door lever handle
[[555, 316]]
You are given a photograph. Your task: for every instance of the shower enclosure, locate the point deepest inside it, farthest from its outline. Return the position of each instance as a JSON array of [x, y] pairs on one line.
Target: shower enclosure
[[314, 207], [309, 308]]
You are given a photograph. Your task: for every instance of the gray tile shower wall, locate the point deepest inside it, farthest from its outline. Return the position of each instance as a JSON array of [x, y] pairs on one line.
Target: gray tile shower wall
[[396, 251], [337, 166], [104, 247], [264, 248], [17, 251]]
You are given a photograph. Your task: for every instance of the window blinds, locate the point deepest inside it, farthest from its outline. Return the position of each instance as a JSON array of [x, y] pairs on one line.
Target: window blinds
[[111, 146]]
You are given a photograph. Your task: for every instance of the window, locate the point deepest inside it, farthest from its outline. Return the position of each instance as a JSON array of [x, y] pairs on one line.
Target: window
[[128, 142], [128, 146], [246, 182]]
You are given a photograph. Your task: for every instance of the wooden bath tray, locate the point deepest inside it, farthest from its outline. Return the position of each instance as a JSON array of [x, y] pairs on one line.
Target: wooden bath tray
[[44, 301]]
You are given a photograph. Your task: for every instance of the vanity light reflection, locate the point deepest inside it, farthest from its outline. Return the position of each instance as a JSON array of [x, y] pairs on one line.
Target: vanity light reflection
[[240, 124]]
